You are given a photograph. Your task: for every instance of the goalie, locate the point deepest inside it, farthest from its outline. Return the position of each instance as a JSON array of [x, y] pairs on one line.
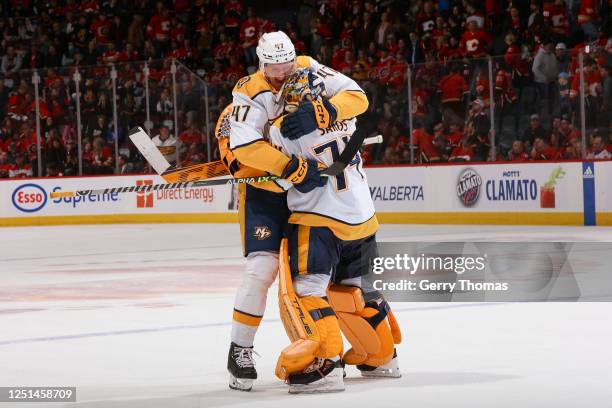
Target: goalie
[[331, 242]]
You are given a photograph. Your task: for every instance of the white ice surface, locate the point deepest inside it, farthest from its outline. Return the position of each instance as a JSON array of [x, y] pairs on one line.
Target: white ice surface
[[139, 316]]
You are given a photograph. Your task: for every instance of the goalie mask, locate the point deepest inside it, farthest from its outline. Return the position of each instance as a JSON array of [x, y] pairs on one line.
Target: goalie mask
[[303, 83]]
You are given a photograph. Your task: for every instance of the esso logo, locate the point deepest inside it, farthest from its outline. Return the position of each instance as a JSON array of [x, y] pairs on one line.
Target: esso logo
[[29, 198]]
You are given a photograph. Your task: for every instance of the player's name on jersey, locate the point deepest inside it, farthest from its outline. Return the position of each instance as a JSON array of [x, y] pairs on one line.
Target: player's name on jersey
[[338, 126]]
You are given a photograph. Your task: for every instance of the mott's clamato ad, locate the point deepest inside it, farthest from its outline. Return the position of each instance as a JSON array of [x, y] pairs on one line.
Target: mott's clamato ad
[[562, 193], [512, 185]]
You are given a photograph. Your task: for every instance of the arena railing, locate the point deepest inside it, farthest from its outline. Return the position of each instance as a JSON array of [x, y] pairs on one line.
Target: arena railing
[[409, 99], [91, 109]]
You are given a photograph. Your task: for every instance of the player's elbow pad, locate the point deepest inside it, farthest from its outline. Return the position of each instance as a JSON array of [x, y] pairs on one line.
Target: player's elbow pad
[[350, 104]]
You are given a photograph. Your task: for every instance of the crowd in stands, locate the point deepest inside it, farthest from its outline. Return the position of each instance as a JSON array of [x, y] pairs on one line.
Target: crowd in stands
[[537, 47]]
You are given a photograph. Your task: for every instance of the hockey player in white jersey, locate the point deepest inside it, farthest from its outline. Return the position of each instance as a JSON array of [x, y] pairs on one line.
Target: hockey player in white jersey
[[331, 242], [255, 106]]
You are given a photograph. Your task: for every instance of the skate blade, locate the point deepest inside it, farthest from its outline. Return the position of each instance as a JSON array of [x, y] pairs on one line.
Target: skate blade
[[240, 384], [381, 374], [305, 389], [389, 370], [334, 382]]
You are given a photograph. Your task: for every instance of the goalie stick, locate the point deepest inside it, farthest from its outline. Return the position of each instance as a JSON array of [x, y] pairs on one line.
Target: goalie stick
[[350, 150], [151, 153], [161, 164]]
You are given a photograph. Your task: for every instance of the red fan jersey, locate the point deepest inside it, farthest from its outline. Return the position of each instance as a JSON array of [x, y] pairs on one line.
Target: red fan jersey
[[397, 75], [90, 6], [503, 85], [520, 157], [513, 57], [425, 142], [588, 11], [474, 44], [461, 153], [159, 28], [101, 30], [249, 32], [233, 73], [453, 87]]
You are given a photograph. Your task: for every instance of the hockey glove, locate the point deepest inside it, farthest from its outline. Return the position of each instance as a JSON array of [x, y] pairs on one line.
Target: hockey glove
[[317, 113], [304, 174]]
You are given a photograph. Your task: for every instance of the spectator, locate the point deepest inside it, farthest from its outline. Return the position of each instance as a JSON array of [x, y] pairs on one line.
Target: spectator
[[53, 170], [101, 157], [545, 71], [542, 151], [453, 89], [478, 126], [517, 152], [462, 153], [416, 50], [573, 151], [428, 152], [534, 131], [166, 143], [564, 104], [598, 150], [125, 167], [475, 41], [249, 32], [5, 165], [21, 169], [562, 56]]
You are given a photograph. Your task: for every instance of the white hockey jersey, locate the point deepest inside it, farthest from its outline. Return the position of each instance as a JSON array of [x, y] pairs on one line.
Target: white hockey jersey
[[256, 106], [344, 204]]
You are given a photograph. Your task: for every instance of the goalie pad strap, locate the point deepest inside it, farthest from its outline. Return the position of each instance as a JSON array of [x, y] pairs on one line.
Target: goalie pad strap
[[383, 310], [318, 314]]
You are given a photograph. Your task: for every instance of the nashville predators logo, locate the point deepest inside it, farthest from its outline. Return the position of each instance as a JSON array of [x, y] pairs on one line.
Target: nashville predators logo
[[262, 233], [242, 81]]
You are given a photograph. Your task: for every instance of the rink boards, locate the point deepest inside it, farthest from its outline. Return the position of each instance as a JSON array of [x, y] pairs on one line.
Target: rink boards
[[551, 193]]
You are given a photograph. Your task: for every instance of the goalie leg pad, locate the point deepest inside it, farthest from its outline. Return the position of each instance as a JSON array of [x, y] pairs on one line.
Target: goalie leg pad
[[310, 322], [368, 324], [322, 334]]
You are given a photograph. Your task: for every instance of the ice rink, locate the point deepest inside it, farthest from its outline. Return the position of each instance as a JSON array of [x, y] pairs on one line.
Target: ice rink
[[139, 316]]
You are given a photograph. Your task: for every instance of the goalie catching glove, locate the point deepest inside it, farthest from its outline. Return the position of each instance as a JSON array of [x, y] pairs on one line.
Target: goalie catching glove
[[304, 174], [304, 96]]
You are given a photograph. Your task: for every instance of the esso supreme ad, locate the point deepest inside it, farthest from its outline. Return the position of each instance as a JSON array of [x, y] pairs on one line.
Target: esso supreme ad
[[29, 198]]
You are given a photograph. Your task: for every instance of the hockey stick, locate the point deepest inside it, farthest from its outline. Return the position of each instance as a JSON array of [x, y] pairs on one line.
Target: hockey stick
[[350, 150], [183, 184], [151, 153]]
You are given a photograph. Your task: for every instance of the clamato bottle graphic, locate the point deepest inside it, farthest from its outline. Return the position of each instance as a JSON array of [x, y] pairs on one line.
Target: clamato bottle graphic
[[547, 191]]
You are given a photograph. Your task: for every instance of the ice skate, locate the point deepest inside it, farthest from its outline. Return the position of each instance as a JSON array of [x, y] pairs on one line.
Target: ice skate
[[389, 370], [241, 366], [323, 375]]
